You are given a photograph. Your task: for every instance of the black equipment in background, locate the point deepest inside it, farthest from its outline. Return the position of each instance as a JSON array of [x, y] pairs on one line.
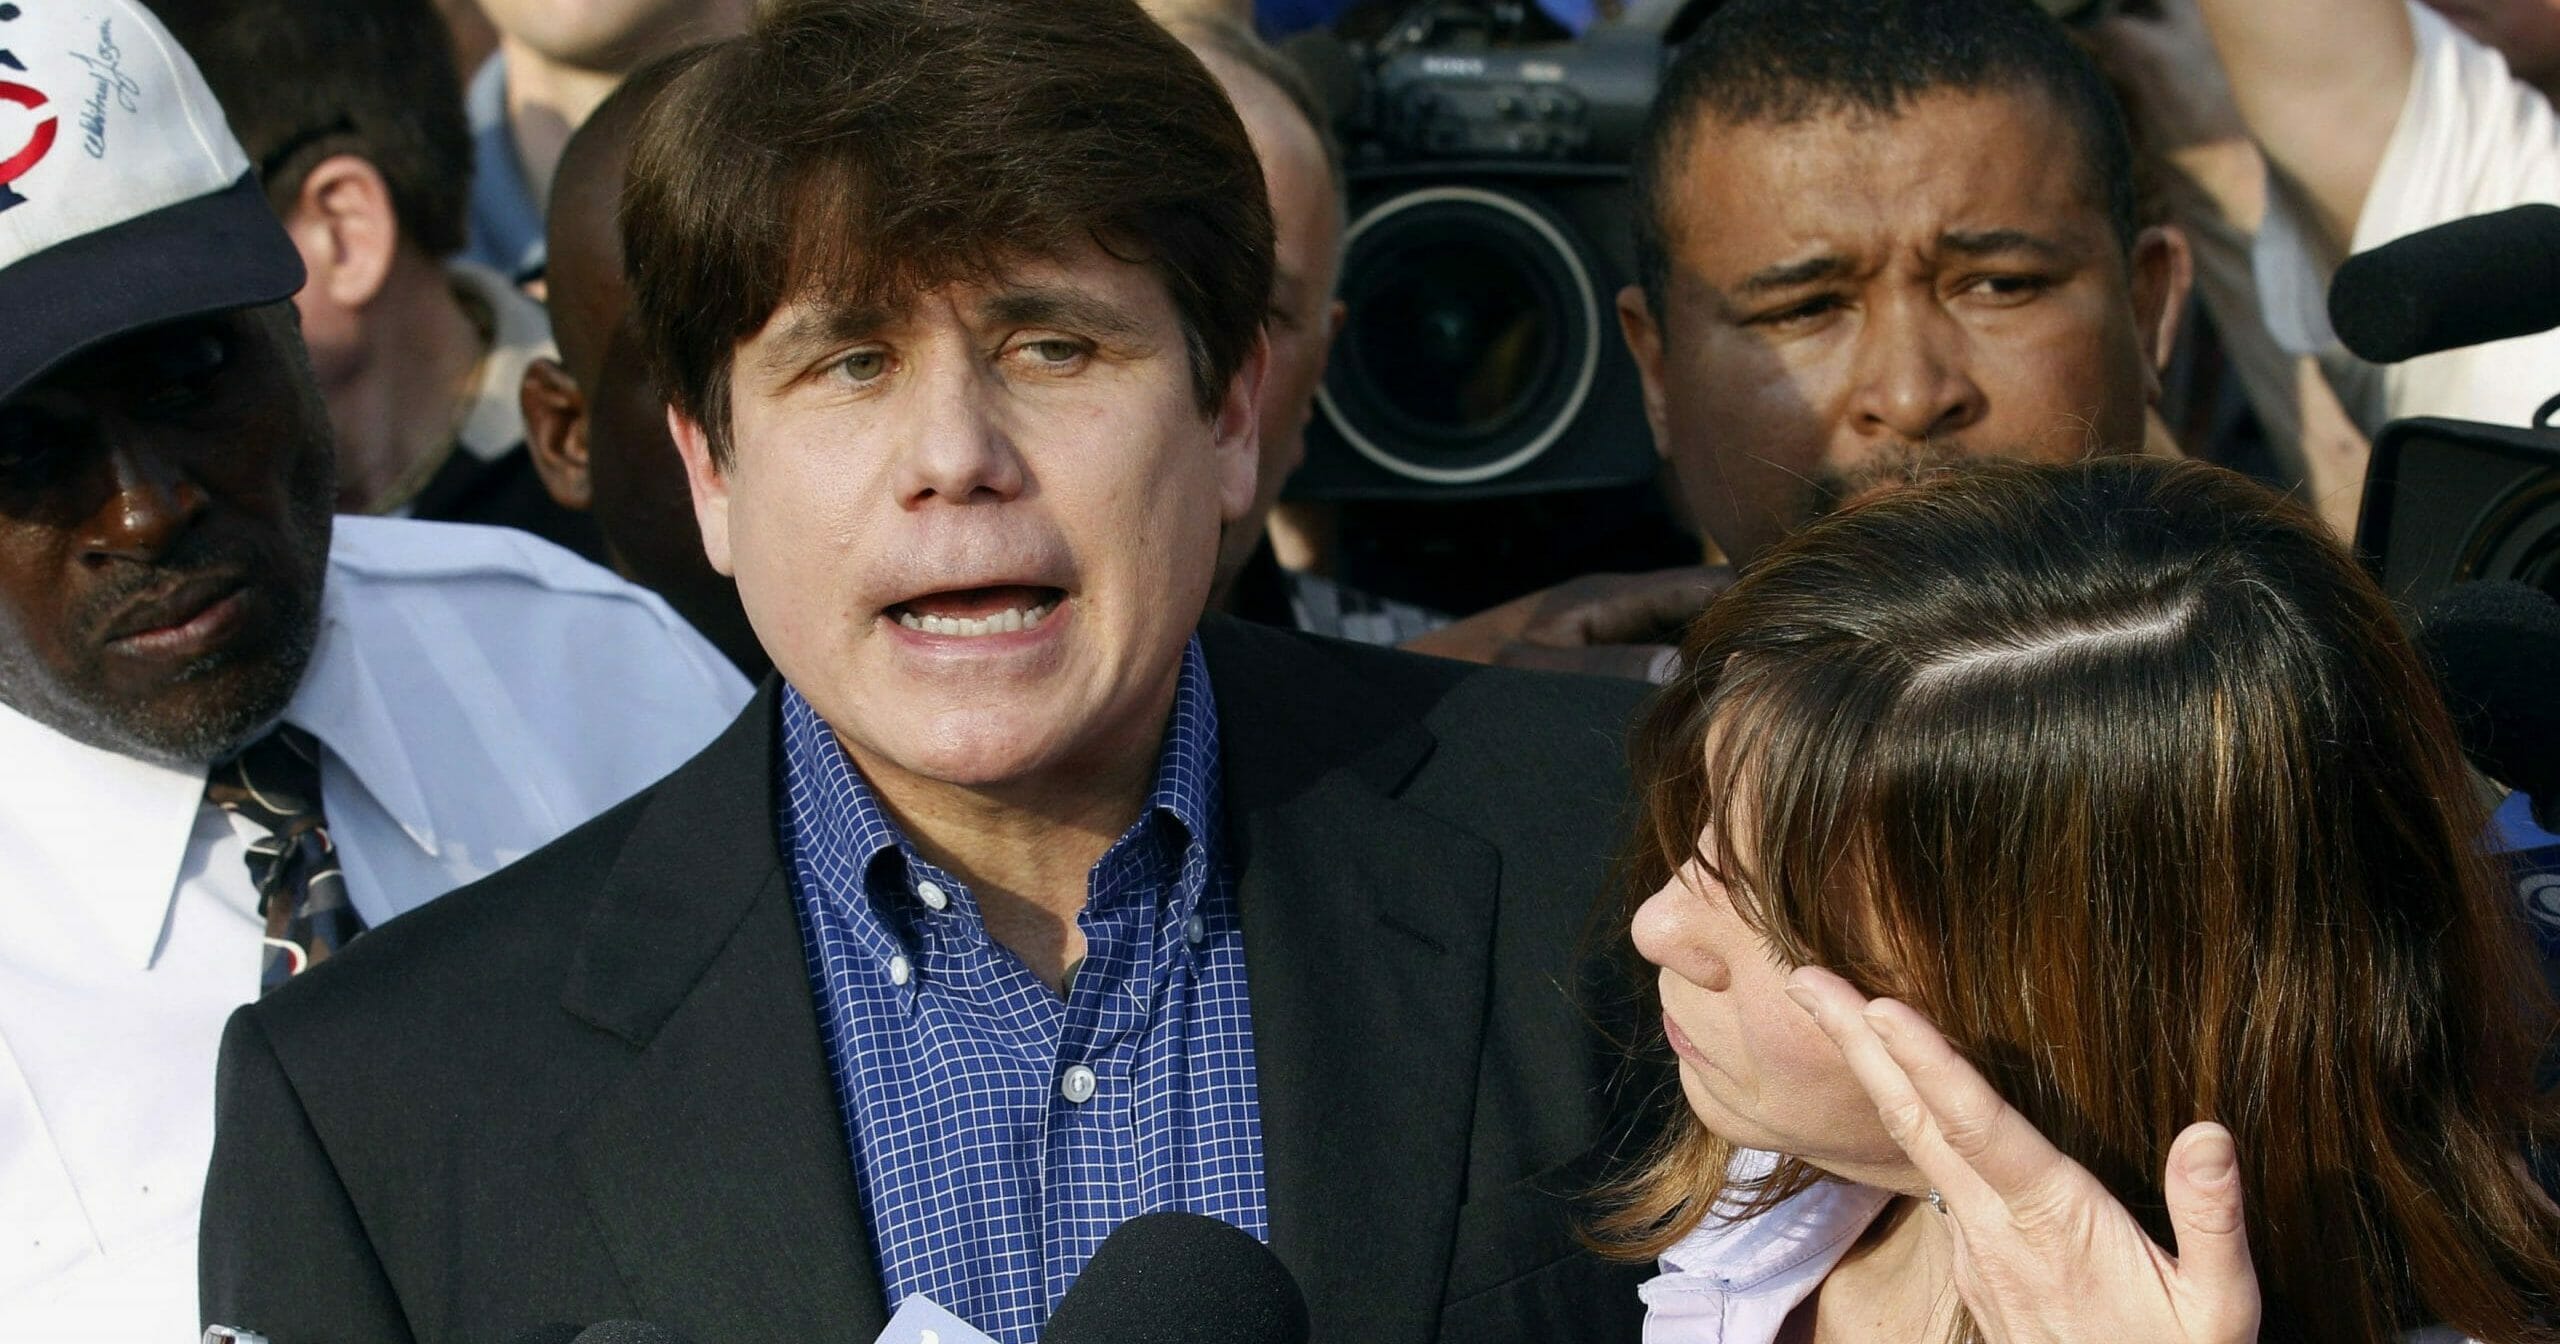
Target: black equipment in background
[[1180, 1278], [2450, 501], [2495, 649], [1488, 240], [2487, 278]]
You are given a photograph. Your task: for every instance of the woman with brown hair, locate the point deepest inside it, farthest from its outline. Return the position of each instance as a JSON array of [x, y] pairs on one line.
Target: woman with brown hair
[[2122, 777]]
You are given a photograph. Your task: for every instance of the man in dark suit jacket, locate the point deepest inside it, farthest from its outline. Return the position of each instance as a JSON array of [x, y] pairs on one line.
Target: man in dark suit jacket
[[1023, 902]]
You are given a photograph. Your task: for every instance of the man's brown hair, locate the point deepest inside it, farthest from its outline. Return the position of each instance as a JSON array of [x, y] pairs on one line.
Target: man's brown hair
[[874, 150], [2123, 774]]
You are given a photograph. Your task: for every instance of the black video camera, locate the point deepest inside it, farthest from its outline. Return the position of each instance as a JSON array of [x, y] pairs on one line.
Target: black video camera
[[1489, 235]]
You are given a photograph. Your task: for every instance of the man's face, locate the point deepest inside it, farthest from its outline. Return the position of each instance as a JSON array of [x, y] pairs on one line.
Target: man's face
[[1306, 218], [613, 34], [2526, 32], [164, 528], [976, 531], [1851, 293]]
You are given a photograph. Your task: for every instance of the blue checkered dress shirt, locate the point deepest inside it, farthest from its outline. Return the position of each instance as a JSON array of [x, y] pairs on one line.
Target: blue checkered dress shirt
[[1000, 1133]]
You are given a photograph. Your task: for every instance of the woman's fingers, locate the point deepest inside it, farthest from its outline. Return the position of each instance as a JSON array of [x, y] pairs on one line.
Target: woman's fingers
[[2202, 1188], [1839, 1010], [2006, 1150]]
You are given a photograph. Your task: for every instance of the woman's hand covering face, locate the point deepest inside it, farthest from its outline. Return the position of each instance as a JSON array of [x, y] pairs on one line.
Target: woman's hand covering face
[[2043, 1253]]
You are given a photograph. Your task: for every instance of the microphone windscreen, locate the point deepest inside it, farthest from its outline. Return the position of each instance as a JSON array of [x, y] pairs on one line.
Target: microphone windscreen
[[547, 1334], [2487, 278], [2495, 648], [1180, 1278], [629, 1332]]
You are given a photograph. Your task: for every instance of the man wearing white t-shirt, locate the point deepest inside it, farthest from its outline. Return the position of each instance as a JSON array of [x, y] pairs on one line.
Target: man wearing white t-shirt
[[2382, 118], [232, 735]]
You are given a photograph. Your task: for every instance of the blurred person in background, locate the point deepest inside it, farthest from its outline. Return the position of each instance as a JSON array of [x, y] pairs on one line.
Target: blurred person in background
[[235, 732], [2382, 118], [2204, 174], [595, 424], [365, 157], [474, 37], [2252, 996], [1302, 171], [1856, 257], [556, 60]]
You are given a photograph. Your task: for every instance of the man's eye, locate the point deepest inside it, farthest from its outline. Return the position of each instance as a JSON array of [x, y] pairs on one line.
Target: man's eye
[[1799, 313], [27, 440], [185, 371], [1054, 352], [2012, 288], [863, 366]]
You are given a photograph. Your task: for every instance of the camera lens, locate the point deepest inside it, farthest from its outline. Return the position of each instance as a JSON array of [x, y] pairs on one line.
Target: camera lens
[[2519, 539], [1473, 335], [1456, 338]]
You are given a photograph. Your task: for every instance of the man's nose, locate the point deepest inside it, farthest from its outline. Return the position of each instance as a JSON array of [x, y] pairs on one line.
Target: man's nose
[[958, 450], [1914, 380], [150, 502]]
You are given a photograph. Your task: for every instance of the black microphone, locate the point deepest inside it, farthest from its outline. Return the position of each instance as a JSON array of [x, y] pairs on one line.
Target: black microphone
[[2495, 648], [1180, 1278], [2470, 282]]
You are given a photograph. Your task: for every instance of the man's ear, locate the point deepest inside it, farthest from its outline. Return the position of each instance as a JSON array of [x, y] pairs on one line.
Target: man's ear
[[343, 223], [2164, 274], [1236, 434], [710, 485], [1644, 341], [555, 432]]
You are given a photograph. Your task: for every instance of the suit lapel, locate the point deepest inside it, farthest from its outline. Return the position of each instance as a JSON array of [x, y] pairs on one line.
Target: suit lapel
[[715, 1164], [1368, 926]]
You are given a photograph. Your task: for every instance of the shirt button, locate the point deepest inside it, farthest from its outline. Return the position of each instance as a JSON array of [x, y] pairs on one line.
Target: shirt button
[[899, 971], [1195, 930], [933, 896], [1077, 1085]]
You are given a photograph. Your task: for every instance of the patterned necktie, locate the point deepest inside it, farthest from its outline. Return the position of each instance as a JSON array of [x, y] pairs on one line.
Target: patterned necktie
[[275, 782]]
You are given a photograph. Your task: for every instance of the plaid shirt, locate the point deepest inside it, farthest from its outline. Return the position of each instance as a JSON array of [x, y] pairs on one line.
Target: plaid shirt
[[1000, 1133]]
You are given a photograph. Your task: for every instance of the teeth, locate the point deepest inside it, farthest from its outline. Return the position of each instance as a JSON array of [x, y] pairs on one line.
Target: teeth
[[1013, 620]]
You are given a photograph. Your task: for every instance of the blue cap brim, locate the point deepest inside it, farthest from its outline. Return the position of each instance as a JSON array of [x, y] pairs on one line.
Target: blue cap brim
[[210, 254]]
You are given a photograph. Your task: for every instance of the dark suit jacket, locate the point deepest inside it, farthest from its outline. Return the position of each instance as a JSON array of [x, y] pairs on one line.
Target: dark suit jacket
[[591, 1087]]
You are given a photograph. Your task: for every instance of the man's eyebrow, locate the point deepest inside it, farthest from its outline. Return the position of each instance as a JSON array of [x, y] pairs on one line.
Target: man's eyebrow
[[817, 328], [1791, 275], [2000, 242], [1058, 307]]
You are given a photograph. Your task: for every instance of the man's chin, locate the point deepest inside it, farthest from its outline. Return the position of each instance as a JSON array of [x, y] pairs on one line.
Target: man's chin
[[203, 712]]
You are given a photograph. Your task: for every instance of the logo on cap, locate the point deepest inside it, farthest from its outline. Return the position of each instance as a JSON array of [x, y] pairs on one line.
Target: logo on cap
[[40, 140]]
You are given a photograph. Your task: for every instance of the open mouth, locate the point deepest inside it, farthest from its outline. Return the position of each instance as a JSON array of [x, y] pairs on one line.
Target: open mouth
[[973, 613]]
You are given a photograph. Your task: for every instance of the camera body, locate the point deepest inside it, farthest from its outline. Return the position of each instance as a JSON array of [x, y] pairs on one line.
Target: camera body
[[1488, 238]]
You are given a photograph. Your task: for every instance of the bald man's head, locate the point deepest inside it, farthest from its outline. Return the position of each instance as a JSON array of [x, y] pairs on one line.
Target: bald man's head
[[1302, 174], [596, 423]]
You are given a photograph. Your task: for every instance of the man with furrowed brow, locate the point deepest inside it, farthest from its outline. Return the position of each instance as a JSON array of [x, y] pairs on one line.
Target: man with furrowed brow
[[1025, 900]]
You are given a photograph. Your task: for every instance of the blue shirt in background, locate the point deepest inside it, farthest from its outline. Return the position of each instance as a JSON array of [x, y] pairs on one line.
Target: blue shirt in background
[[999, 1133], [506, 222]]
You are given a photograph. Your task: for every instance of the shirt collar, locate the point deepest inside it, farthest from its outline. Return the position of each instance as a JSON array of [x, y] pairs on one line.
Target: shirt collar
[[1765, 1264], [114, 829], [107, 832], [846, 836], [341, 702], [492, 422]]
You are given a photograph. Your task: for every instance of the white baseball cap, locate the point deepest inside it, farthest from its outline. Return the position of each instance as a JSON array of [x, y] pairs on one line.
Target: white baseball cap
[[124, 200]]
